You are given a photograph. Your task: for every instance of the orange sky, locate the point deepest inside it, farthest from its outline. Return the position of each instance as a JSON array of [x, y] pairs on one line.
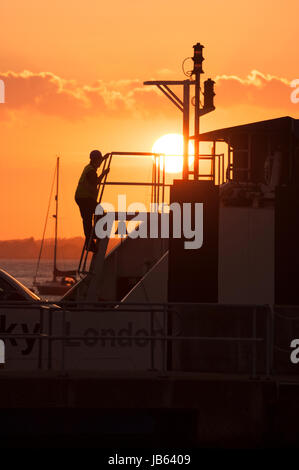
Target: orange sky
[[73, 74]]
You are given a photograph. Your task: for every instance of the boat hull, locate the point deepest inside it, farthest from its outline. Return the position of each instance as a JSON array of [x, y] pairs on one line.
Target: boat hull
[[52, 289]]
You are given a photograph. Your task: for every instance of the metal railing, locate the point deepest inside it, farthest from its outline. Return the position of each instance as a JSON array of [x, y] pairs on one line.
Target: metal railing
[[169, 355], [158, 184]]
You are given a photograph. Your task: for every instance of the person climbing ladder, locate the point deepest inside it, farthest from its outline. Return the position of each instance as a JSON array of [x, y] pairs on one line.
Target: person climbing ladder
[[87, 193]]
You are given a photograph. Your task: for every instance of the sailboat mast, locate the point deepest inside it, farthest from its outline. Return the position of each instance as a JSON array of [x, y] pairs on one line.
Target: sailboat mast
[[56, 219]]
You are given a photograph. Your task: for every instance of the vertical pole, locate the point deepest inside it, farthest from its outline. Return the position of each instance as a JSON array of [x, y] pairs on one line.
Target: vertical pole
[[213, 166], [163, 187], [155, 184], [50, 330], [158, 192], [196, 123], [41, 330], [162, 206], [198, 60], [254, 343], [166, 359], [56, 220], [186, 100], [268, 342], [152, 341], [231, 156], [152, 187], [249, 159], [63, 341], [229, 172]]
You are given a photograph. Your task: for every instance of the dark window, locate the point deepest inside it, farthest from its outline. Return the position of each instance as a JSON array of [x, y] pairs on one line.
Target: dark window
[[7, 291]]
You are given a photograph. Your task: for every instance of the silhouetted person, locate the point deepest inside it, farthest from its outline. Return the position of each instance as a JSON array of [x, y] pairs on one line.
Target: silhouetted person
[[87, 193]]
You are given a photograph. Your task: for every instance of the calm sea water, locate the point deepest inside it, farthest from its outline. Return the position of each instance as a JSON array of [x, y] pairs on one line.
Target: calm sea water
[[24, 269]]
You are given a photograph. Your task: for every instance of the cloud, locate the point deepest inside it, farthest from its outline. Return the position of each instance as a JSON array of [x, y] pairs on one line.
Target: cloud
[[257, 89], [49, 94]]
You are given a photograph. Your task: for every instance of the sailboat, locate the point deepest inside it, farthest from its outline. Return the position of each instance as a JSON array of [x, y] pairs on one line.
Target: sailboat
[[62, 281]]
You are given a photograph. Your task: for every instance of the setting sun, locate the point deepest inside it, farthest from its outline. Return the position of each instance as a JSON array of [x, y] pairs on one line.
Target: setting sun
[[172, 146]]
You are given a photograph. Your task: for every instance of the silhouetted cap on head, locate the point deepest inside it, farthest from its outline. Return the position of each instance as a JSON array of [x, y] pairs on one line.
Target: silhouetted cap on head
[[95, 155]]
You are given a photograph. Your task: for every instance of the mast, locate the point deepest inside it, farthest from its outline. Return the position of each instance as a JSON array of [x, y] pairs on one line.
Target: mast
[[197, 71], [56, 220]]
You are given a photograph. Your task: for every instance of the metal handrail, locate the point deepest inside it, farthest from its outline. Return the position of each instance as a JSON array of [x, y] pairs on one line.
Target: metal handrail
[[155, 184], [166, 338]]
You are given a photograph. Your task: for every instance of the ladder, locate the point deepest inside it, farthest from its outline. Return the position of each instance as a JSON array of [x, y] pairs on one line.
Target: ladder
[[86, 246], [157, 184]]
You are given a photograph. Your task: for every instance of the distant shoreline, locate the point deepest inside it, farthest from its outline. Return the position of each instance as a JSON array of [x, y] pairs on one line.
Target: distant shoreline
[[28, 248], [44, 258]]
